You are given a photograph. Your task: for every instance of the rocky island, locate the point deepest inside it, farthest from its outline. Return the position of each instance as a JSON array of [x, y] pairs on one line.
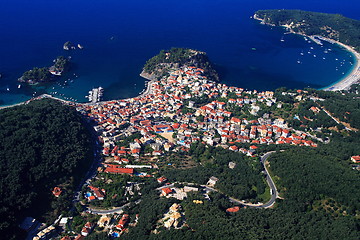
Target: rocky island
[[45, 74], [61, 65], [68, 46], [159, 65]]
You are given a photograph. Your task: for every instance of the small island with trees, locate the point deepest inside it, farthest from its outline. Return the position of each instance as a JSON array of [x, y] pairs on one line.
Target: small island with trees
[[45, 74], [332, 26], [159, 65]]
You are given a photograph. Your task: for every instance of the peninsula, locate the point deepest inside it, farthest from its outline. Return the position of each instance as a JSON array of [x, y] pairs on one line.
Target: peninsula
[[159, 65], [333, 28]]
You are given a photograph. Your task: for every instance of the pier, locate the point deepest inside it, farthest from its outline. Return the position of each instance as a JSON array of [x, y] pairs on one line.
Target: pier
[[95, 94]]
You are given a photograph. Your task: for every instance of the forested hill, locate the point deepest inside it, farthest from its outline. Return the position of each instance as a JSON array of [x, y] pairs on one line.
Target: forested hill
[[160, 64], [333, 26], [43, 144]]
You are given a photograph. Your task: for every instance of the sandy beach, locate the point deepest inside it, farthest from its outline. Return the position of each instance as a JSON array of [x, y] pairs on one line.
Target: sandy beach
[[346, 82], [352, 77]]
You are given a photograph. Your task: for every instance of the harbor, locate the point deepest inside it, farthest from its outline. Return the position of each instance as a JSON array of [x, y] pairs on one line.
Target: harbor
[[95, 95]]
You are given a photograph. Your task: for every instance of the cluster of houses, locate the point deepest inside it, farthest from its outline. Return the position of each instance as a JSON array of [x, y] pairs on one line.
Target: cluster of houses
[[95, 193], [169, 118], [161, 111], [122, 222], [85, 231], [174, 218]]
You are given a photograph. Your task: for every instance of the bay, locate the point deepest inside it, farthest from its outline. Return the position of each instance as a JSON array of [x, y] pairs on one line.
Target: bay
[[119, 36]]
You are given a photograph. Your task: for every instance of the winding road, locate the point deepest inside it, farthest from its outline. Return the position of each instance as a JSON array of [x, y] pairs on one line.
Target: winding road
[[273, 191], [270, 203]]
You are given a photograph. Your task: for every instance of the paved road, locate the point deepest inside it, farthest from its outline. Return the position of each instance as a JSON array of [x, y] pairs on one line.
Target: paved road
[[91, 173], [273, 190], [111, 211], [274, 193]]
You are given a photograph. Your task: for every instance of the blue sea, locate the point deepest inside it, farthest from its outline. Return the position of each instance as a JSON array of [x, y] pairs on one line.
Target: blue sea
[[119, 36]]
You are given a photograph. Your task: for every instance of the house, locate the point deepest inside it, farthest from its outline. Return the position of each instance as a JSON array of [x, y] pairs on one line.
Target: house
[[87, 229], [104, 221], [63, 222], [233, 148], [253, 147], [91, 198], [161, 179], [315, 109], [232, 165], [99, 194], [122, 222], [212, 181], [165, 191], [355, 159], [57, 191], [119, 170], [233, 209]]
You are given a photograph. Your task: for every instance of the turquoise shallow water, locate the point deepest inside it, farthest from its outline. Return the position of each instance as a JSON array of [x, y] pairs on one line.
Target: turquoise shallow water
[[120, 36]]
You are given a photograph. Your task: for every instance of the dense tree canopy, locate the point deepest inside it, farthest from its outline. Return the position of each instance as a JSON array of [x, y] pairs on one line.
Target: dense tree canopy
[[334, 26], [245, 181], [176, 57], [43, 144], [321, 201]]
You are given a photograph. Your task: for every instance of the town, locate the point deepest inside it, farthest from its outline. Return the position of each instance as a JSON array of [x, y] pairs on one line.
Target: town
[[174, 112]]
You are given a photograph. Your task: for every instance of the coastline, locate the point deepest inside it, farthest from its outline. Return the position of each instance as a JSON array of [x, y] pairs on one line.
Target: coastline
[[37, 98], [351, 78], [147, 91], [344, 83]]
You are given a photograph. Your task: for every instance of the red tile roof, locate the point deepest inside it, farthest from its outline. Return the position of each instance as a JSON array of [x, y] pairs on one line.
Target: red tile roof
[[119, 170], [233, 209], [166, 191]]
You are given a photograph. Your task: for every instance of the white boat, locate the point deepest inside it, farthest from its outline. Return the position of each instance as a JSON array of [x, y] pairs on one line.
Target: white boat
[[19, 86], [8, 89], [95, 94]]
